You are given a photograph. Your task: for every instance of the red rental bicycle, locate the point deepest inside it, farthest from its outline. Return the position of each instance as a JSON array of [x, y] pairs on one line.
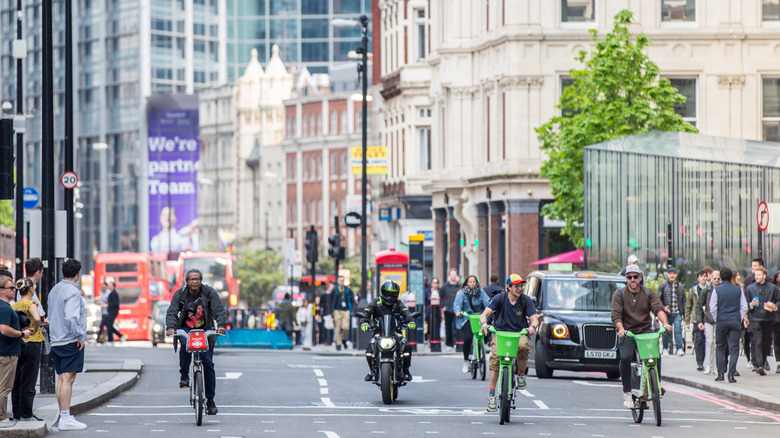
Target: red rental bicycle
[[197, 342]]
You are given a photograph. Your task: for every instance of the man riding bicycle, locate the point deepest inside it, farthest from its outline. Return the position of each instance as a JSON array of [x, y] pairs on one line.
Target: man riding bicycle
[[632, 307], [196, 306], [512, 310]]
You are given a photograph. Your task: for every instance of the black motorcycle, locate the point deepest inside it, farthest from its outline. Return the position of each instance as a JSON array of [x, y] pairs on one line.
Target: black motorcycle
[[387, 347]]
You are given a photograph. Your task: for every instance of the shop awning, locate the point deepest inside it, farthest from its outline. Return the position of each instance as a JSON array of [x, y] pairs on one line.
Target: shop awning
[[576, 256]]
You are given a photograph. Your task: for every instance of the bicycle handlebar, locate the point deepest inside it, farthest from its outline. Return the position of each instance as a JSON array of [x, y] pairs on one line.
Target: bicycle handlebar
[[632, 335], [209, 334], [493, 330]]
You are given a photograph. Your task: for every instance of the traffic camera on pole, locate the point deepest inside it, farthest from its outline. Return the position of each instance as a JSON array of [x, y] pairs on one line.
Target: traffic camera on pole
[[311, 246]]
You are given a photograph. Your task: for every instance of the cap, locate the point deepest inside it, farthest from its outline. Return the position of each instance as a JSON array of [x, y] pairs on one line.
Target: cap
[[514, 279], [632, 259], [633, 269], [672, 269]]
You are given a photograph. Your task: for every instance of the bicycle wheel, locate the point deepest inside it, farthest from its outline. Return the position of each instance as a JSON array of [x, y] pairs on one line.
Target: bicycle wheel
[[482, 360], [655, 393], [638, 412], [473, 362], [197, 391], [504, 398]]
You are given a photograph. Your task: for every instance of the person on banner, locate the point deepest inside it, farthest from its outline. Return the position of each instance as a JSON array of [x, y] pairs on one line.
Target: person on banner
[[169, 239]]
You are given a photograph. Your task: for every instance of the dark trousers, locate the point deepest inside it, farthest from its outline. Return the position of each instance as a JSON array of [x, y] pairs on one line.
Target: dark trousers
[[108, 322], [449, 328], [209, 376], [23, 393], [728, 332], [776, 340], [698, 344], [468, 337], [628, 355], [747, 343], [762, 340]]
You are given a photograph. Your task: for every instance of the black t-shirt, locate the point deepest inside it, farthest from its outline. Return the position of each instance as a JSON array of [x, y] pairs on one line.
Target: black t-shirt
[[9, 346]]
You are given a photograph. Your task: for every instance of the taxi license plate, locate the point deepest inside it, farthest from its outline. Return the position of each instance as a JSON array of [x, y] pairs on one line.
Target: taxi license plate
[[600, 354]]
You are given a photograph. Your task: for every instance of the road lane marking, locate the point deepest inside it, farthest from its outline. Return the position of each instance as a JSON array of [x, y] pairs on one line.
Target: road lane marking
[[419, 379], [323, 382], [323, 390], [526, 393], [724, 403], [603, 385], [329, 434], [540, 404], [327, 402], [318, 372], [230, 376]]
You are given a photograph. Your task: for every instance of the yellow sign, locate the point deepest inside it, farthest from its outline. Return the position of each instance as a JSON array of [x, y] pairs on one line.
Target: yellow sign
[[376, 160], [395, 274]]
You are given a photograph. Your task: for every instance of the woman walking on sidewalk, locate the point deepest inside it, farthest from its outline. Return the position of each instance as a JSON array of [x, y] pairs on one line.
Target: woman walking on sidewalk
[[23, 393]]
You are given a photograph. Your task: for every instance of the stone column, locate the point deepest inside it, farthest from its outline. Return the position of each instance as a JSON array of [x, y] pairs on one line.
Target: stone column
[[453, 242], [494, 231], [439, 244], [523, 222], [482, 250]]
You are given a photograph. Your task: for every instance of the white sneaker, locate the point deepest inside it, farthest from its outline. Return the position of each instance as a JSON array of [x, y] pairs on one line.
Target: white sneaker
[[680, 352], [448, 348], [465, 368], [492, 407], [666, 352], [707, 370], [70, 423], [628, 401], [122, 339]]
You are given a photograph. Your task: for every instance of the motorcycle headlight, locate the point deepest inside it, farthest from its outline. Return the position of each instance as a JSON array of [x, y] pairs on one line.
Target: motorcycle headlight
[[157, 327], [386, 343]]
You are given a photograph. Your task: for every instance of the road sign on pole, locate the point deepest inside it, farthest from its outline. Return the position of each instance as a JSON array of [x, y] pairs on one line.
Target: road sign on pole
[[30, 197], [69, 180], [762, 216]]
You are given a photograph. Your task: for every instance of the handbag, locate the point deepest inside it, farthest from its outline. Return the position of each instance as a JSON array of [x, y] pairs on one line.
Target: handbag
[[328, 322]]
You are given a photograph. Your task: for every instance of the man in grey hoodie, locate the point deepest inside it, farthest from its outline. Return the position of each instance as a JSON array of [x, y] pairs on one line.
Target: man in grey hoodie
[[68, 331]]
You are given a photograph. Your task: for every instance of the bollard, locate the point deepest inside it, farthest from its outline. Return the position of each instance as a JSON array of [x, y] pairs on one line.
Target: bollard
[[435, 322]]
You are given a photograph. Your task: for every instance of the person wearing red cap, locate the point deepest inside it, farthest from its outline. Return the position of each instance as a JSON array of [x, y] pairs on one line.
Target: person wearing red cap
[[512, 310]]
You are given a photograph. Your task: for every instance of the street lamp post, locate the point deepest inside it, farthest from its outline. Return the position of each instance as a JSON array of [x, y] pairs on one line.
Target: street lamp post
[[363, 69]]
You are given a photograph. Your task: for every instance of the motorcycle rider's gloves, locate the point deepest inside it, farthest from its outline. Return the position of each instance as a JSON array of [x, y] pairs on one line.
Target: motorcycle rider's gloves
[[364, 326]]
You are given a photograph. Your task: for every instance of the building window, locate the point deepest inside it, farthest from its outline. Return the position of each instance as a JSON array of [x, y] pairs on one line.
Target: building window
[[425, 113], [566, 83], [334, 207], [687, 109], [678, 10], [424, 142], [578, 11], [343, 122], [421, 35], [334, 122], [770, 10], [770, 116], [334, 162], [344, 164]]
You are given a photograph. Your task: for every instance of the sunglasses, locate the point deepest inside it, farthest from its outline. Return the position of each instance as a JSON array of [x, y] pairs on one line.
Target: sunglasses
[[632, 277]]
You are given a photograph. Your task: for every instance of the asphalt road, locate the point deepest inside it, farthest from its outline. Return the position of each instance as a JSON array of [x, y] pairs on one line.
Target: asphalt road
[[285, 394]]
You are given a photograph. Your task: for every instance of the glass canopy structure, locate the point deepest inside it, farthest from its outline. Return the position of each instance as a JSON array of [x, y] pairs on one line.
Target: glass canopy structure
[[707, 188]]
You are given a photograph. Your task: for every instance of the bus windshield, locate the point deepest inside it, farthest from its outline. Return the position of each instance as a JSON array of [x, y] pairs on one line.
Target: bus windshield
[[214, 271]]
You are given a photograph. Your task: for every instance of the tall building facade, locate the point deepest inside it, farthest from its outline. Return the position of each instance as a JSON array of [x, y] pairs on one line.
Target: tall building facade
[[124, 52], [303, 30]]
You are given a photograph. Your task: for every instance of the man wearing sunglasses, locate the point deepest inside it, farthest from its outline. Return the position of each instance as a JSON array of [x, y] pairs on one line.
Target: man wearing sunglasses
[[632, 307]]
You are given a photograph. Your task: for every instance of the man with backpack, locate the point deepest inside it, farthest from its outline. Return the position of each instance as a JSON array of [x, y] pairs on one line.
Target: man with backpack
[[512, 310], [631, 310]]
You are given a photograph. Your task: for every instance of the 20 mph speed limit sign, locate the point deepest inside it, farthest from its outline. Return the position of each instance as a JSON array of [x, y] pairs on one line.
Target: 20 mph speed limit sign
[[69, 180]]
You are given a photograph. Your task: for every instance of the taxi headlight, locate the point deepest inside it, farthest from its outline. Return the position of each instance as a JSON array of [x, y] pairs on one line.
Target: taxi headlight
[[560, 331], [386, 343]]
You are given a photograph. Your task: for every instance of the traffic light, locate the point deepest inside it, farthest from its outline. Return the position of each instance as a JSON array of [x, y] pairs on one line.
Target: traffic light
[[7, 161], [333, 241], [312, 253]]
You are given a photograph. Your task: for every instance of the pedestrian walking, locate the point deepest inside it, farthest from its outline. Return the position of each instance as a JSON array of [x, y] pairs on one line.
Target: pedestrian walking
[[33, 269], [691, 318], [448, 293], [728, 308], [493, 288], [326, 307], [286, 318], [706, 323], [672, 297], [763, 298], [10, 344], [747, 340], [109, 303], [68, 331], [342, 305], [776, 327], [23, 393]]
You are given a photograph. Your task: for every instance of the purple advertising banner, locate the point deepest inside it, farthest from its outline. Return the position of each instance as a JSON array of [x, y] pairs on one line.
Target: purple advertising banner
[[174, 160]]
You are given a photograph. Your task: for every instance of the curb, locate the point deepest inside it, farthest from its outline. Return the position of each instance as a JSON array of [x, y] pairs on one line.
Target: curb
[[103, 392], [747, 396]]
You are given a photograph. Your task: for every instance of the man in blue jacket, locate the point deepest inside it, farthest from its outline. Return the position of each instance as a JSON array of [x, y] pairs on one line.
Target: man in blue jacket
[[343, 300], [728, 308]]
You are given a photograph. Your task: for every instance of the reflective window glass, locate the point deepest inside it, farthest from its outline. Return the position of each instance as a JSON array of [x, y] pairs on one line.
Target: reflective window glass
[[284, 29], [578, 11], [314, 52], [678, 10], [770, 10], [686, 87], [314, 28], [251, 29], [346, 6], [314, 7]]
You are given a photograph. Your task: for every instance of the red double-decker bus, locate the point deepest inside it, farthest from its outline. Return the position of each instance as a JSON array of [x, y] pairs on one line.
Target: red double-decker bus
[[219, 271], [140, 281]]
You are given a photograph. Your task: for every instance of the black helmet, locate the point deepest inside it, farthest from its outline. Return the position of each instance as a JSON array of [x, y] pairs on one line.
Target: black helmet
[[389, 292]]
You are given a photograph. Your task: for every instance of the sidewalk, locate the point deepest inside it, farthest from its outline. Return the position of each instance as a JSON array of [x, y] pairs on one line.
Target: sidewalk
[[103, 378]]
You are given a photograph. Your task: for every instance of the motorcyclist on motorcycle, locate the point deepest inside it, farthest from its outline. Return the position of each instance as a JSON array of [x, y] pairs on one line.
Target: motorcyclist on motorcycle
[[387, 303]]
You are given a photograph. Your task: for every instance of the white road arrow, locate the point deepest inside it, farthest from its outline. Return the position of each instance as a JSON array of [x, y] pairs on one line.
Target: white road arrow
[[230, 376]]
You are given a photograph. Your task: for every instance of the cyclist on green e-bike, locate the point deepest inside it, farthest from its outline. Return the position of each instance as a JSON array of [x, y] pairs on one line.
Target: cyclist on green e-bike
[[632, 307], [512, 310], [469, 300]]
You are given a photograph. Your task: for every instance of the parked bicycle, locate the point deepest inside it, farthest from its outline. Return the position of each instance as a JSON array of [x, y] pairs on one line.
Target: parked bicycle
[[506, 351], [477, 359], [645, 376], [197, 342]]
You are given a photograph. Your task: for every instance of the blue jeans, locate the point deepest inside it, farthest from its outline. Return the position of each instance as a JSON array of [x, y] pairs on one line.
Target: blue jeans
[[675, 319]]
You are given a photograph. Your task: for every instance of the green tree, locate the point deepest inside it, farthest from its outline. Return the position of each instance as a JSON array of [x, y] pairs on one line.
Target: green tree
[[260, 271], [618, 93], [7, 213]]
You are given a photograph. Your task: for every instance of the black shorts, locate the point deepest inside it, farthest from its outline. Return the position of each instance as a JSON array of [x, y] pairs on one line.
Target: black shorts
[[68, 358]]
